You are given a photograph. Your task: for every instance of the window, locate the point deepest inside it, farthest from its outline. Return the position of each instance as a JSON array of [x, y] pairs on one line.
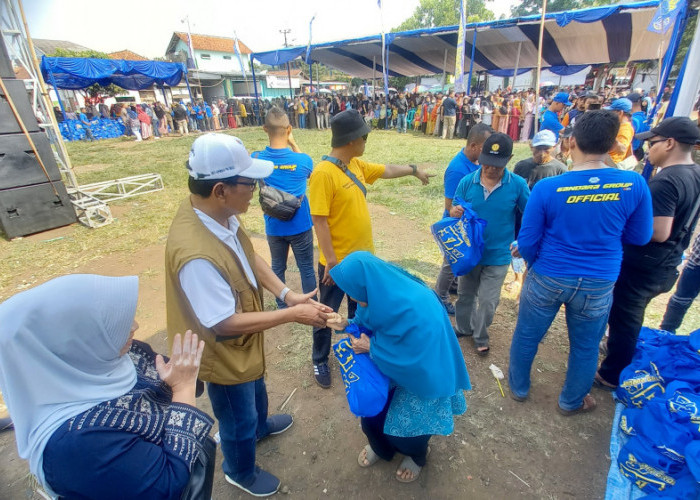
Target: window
[[205, 56], [227, 57]]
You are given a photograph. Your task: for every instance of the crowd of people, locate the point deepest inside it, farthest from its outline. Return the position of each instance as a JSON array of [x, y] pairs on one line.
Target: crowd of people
[[596, 237]]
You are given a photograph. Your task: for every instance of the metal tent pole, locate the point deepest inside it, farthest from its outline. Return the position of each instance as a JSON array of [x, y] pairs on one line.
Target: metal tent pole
[[539, 68], [517, 63], [255, 86], [471, 64]]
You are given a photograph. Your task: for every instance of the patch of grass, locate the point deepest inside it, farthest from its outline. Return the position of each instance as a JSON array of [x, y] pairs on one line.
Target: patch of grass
[[297, 348]]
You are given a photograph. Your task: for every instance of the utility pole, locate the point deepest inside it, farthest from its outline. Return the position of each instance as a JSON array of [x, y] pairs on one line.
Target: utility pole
[[289, 73]]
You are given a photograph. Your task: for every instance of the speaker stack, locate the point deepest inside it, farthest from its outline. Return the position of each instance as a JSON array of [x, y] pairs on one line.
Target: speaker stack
[[31, 200]]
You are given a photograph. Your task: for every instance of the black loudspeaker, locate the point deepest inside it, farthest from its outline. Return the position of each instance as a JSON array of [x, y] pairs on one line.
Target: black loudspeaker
[[18, 164], [18, 94], [31, 200], [32, 209], [6, 70]]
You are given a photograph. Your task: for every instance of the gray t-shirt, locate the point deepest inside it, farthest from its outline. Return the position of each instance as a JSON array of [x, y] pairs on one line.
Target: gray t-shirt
[[533, 173]]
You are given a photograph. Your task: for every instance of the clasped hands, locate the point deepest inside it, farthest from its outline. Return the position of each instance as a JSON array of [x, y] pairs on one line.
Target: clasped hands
[[337, 322]]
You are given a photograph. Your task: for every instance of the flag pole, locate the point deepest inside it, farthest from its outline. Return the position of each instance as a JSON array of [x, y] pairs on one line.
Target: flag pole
[[539, 68]]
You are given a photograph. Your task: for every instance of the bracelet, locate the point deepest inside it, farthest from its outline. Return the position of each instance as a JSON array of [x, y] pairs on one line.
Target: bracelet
[[415, 169], [284, 293]]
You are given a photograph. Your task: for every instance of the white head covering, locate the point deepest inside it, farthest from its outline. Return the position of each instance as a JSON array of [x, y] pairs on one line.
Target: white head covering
[[59, 354]]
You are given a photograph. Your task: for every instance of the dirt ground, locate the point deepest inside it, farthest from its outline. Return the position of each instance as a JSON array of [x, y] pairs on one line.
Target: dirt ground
[[500, 448]]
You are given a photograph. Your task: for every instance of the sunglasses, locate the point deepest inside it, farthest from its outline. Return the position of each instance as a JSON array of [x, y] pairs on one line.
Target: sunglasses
[[651, 143]]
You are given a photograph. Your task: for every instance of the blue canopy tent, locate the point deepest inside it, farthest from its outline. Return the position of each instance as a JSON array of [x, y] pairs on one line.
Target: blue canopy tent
[[78, 73], [572, 39]]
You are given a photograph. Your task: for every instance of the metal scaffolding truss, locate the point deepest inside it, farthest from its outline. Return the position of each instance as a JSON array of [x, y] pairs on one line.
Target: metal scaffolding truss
[[90, 200]]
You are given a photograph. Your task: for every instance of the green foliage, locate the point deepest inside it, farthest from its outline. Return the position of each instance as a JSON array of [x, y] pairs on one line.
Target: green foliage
[[529, 7], [399, 82], [684, 45], [432, 13], [94, 90]]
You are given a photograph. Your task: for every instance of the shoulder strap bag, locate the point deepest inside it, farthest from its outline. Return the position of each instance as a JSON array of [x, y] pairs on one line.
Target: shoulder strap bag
[[342, 166]]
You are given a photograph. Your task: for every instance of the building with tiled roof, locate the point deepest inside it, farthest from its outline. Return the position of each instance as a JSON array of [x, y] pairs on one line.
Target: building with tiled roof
[[127, 55]]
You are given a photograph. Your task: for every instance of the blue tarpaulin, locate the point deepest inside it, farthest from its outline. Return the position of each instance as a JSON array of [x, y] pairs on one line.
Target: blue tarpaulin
[[79, 73]]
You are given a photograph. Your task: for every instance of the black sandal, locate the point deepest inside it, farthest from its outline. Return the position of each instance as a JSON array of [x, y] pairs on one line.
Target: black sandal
[[483, 352]]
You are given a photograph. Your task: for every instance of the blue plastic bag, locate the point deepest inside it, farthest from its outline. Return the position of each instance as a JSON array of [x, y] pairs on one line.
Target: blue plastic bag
[[461, 240], [366, 388]]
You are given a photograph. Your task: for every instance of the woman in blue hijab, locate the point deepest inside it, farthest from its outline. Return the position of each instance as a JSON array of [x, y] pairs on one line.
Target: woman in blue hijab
[[414, 344], [96, 413]]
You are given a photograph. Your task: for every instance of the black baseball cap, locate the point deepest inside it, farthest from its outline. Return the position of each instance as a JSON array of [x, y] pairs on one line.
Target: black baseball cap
[[497, 150], [634, 97], [347, 126], [680, 128]]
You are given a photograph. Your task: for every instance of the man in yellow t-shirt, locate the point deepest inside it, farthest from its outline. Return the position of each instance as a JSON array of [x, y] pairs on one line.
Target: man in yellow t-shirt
[[341, 216], [623, 144]]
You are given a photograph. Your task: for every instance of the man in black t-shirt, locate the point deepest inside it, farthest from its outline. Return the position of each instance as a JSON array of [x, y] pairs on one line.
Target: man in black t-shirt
[[542, 164], [650, 270]]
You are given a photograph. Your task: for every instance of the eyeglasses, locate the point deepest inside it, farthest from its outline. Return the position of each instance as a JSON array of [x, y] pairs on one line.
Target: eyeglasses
[[364, 137], [651, 143], [252, 185]]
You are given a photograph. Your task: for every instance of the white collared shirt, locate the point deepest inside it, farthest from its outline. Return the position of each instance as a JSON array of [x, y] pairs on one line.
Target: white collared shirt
[[208, 292]]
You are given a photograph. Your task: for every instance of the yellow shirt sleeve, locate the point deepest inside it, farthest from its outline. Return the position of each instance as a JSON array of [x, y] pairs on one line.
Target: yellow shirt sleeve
[[320, 193], [625, 136], [371, 171]]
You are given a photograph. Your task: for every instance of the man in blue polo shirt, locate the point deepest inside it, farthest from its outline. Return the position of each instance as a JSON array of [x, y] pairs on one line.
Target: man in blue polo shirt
[[639, 124], [496, 195], [292, 169], [572, 234], [550, 118], [463, 164]]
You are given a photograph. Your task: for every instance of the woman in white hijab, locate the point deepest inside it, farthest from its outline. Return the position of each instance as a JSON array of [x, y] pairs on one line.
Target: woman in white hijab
[[96, 413]]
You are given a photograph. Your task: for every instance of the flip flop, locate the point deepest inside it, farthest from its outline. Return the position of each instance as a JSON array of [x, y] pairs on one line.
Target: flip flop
[[371, 457], [589, 404], [483, 352], [600, 383], [408, 464]]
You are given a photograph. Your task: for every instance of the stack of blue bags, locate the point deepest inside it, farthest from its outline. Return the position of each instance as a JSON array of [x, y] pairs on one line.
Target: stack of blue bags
[[102, 128], [661, 392]]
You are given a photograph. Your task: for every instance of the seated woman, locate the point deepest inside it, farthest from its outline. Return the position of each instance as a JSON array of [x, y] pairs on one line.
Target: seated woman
[[96, 413], [413, 344]]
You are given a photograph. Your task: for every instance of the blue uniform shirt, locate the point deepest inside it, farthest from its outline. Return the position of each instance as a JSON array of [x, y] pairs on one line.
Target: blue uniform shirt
[[290, 174], [575, 223], [498, 210], [459, 167], [639, 125], [550, 121]]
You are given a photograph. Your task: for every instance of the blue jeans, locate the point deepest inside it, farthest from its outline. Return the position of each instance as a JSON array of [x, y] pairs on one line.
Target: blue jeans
[[588, 304], [242, 414], [687, 290], [401, 122], [302, 121], [303, 248]]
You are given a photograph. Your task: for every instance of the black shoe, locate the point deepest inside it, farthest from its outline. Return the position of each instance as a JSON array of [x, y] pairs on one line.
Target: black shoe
[[322, 374], [449, 307]]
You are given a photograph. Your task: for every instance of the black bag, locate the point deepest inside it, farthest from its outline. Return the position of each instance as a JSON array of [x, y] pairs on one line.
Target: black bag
[[277, 203], [201, 481]]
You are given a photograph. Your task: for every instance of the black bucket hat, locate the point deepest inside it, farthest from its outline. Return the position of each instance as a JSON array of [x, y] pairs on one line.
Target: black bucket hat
[[347, 126]]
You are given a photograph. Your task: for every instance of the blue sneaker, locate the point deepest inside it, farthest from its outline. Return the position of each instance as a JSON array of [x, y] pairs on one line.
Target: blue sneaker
[[277, 424], [322, 374], [263, 484]]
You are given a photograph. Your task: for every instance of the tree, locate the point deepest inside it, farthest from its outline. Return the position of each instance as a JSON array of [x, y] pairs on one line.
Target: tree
[[95, 90], [432, 13], [529, 7]]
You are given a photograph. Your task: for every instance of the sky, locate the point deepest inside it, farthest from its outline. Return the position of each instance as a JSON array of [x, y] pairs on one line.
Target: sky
[[146, 26]]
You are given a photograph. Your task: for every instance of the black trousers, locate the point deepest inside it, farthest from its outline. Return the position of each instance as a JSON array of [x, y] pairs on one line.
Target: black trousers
[[332, 296], [633, 291], [386, 446]]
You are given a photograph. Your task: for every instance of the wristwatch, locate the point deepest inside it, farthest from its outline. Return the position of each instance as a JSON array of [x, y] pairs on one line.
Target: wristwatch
[[283, 293], [415, 169]]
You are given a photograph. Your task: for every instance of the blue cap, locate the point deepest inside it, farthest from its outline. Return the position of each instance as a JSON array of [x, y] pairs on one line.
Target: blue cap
[[622, 104], [562, 97]]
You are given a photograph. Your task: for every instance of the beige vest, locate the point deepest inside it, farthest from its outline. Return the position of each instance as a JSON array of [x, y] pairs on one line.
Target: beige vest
[[226, 360]]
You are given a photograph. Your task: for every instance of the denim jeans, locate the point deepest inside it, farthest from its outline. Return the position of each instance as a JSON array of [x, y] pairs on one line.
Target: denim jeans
[[588, 302], [303, 248], [302, 121], [241, 410], [687, 290], [331, 296], [401, 122]]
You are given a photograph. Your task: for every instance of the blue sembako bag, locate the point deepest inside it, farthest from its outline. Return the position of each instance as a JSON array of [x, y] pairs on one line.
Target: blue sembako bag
[[461, 240], [366, 388]]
